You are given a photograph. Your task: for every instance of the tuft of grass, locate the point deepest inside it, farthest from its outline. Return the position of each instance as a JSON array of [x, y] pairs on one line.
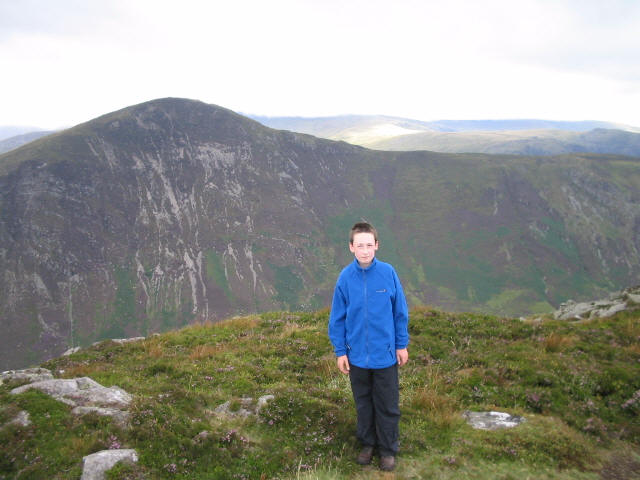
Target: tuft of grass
[[556, 342], [201, 352]]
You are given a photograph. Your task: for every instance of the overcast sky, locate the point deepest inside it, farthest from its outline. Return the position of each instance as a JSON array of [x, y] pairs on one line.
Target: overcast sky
[[64, 62]]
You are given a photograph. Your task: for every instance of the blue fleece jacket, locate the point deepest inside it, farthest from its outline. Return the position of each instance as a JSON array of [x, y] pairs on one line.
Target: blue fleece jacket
[[369, 317]]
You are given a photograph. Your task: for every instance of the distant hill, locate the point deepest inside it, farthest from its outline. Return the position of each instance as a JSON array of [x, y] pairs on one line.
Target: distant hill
[[343, 127], [175, 211], [526, 142], [521, 124], [516, 137], [19, 140], [8, 131]]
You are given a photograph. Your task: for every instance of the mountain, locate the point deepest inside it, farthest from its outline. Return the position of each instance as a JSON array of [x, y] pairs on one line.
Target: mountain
[[522, 124], [175, 211], [514, 137], [8, 131], [347, 126], [527, 142], [19, 140]]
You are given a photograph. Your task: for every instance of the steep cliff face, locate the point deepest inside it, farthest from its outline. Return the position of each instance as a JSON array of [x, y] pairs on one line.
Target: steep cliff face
[[175, 211], [158, 215], [505, 232]]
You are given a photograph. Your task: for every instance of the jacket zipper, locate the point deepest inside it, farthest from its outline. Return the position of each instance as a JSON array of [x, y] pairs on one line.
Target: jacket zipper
[[366, 315]]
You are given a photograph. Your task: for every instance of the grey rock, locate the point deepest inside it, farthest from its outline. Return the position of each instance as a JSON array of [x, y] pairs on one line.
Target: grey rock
[[71, 351], [247, 407], [101, 396], [84, 394], [263, 401], [492, 420], [120, 341], [634, 401], [81, 391], [59, 388], [21, 419], [612, 310], [97, 464], [617, 302], [202, 436], [243, 411], [120, 417], [127, 340], [29, 374]]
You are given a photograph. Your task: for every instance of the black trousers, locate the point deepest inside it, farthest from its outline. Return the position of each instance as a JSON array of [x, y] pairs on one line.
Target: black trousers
[[376, 395]]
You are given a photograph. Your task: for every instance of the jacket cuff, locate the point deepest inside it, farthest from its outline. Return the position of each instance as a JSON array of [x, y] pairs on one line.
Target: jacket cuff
[[341, 352]]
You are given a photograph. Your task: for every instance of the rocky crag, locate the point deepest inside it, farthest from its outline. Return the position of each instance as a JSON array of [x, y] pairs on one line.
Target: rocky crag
[[175, 211], [627, 299]]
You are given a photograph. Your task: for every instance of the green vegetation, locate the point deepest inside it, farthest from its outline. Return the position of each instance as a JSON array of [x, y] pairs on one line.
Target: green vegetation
[[576, 384], [216, 273], [378, 213], [288, 286], [124, 312], [500, 234]]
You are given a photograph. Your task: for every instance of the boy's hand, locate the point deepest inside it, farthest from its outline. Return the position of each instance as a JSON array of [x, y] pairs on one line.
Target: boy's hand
[[403, 356], [343, 364]]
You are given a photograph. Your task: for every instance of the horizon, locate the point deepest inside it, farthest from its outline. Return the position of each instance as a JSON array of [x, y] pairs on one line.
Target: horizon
[[36, 128]]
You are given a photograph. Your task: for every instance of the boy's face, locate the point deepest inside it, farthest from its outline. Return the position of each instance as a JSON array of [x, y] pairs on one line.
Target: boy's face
[[364, 247]]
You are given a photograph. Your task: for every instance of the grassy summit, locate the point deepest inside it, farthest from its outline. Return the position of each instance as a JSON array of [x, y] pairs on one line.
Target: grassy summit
[[576, 384]]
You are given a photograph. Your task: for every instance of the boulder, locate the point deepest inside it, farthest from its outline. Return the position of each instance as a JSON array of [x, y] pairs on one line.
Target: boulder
[[97, 464], [81, 391], [492, 420], [113, 397]]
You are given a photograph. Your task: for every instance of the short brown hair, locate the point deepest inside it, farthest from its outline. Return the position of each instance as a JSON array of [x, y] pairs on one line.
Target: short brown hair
[[362, 227]]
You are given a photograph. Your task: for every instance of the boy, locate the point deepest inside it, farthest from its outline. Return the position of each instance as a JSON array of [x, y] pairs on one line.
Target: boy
[[368, 327]]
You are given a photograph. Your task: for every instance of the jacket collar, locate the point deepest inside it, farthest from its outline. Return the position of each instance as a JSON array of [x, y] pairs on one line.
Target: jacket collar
[[357, 264]]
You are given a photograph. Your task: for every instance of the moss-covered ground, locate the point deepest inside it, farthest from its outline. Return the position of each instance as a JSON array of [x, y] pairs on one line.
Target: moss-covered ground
[[576, 384]]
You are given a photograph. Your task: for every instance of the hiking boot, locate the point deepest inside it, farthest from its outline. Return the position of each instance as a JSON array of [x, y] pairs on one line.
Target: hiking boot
[[387, 463], [364, 458]]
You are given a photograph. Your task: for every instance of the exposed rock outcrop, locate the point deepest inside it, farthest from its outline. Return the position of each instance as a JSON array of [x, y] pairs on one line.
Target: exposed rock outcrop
[[127, 340], [28, 374], [627, 299], [71, 351], [84, 394], [81, 391], [120, 417]]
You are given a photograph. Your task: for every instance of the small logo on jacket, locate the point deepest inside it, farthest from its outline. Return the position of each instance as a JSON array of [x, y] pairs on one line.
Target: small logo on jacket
[[381, 291]]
